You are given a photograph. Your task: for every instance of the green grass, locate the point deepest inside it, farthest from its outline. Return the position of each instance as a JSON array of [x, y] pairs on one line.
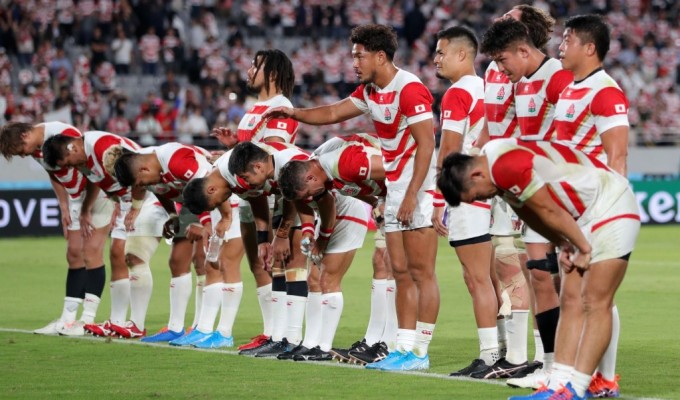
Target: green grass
[[31, 367]]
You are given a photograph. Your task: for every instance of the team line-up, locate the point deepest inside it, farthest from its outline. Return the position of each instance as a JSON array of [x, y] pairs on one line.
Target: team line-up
[[528, 185]]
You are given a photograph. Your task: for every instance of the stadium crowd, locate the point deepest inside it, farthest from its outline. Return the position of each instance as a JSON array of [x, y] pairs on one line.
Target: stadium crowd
[[104, 59]]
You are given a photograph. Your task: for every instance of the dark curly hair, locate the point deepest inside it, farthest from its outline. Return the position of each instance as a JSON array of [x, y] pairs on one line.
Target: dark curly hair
[[539, 23], [502, 35], [376, 37]]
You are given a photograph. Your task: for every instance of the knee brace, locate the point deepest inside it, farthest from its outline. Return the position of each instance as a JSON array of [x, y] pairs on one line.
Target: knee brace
[[141, 247], [540, 265], [379, 238], [505, 250], [551, 263], [296, 274], [517, 282], [520, 245]]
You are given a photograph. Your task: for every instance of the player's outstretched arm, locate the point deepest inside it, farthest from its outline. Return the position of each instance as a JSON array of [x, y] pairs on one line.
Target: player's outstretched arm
[[323, 115]]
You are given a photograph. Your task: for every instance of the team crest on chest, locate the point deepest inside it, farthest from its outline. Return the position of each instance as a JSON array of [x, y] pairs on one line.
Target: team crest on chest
[[532, 105], [348, 190], [501, 94], [388, 114], [571, 111], [251, 122]]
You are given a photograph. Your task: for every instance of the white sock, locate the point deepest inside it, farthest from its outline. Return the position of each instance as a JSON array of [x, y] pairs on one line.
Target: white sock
[[376, 322], [391, 324], [198, 298], [279, 315], [560, 376], [296, 316], [580, 382], [331, 311], [502, 337], [607, 365], [212, 301], [406, 338], [423, 338], [120, 300], [231, 300], [538, 346], [70, 310], [488, 344], [517, 328], [90, 306], [180, 292], [548, 361], [264, 297], [141, 286], [313, 315]]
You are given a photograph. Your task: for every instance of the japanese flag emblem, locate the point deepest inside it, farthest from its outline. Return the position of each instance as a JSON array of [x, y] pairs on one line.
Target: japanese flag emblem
[[281, 125], [447, 114], [188, 174], [420, 108], [620, 108]]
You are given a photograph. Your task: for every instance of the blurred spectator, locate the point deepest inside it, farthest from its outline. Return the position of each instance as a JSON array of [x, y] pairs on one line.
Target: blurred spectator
[[150, 47], [147, 127], [170, 88], [64, 99], [172, 51], [122, 51], [118, 124], [191, 124], [61, 64], [98, 47]]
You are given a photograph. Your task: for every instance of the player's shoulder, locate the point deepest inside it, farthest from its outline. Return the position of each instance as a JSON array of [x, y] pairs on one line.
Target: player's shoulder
[[407, 80], [279, 101], [469, 83], [601, 80]]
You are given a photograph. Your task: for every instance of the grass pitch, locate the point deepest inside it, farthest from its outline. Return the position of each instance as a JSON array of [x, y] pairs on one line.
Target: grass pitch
[[32, 366]]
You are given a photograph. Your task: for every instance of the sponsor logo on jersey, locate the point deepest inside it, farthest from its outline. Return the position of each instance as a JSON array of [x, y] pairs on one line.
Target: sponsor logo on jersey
[[388, 114], [571, 111], [501, 93], [532, 105]]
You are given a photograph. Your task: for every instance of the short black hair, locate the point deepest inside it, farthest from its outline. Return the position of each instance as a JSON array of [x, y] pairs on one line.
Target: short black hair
[[502, 35], [276, 62], [591, 28], [291, 178], [460, 33], [194, 197], [124, 167], [55, 149], [244, 155], [11, 138], [452, 181], [375, 37], [539, 23]]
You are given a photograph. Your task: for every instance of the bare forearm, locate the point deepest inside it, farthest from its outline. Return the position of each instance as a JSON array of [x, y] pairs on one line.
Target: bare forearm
[[421, 166]]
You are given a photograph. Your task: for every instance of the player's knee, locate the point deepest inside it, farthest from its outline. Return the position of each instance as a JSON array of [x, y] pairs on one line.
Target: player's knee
[[516, 288], [139, 249], [505, 251]]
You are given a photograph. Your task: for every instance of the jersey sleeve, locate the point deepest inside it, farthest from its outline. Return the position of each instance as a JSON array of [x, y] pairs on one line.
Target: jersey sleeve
[[455, 108], [354, 165], [610, 109], [283, 128], [513, 172], [558, 82], [358, 99], [415, 102], [183, 164]]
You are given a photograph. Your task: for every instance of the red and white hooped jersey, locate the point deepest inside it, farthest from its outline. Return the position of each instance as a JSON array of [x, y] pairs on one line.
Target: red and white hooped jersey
[[70, 178], [403, 102], [347, 161], [588, 108], [180, 164], [574, 180], [96, 144], [499, 103], [535, 99], [253, 128], [282, 153], [462, 109]]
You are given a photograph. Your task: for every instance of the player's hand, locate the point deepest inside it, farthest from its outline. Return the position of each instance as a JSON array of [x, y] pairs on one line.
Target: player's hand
[[306, 245], [318, 250], [281, 249], [223, 227], [264, 253], [65, 222], [194, 232], [437, 222], [225, 136], [130, 219], [279, 112], [171, 227], [86, 227], [573, 259], [405, 213]]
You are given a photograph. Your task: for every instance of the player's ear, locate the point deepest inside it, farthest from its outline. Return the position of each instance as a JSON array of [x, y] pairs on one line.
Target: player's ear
[[210, 189]]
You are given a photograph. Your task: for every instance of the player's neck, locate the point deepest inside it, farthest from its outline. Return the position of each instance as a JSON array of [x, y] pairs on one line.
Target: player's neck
[[270, 167], [154, 163], [385, 76], [264, 95], [585, 69], [536, 61], [40, 132]]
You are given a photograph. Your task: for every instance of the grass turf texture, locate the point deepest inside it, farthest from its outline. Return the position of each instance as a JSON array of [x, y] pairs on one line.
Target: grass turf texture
[[47, 367]]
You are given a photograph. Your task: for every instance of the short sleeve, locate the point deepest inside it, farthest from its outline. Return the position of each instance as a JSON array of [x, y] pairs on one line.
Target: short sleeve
[[560, 80], [183, 164], [415, 103], [354, 165], [513, 172], [359, 99], [610, 109], [455, 108], [283, 128]]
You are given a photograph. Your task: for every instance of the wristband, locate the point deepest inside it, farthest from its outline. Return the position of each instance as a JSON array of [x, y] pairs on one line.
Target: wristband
[[325, 233], [262, 237], [137, 204], [307, 228], [438, 200]]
